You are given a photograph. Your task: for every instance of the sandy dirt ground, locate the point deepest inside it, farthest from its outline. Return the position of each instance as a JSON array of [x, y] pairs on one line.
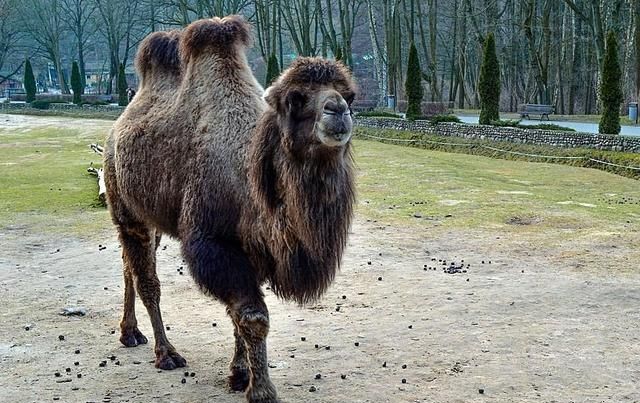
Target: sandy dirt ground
[[523, 328], [523, 324]]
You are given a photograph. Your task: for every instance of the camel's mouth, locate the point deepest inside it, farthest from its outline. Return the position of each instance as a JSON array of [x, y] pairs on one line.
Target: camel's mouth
[[335, 124], [334, 131]]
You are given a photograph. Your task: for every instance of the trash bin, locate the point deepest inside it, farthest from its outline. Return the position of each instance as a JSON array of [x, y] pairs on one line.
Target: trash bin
[[633, 111], [391, 102]]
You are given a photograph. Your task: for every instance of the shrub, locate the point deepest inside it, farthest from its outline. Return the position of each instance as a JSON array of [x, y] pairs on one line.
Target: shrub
[[122, 87], [548, 126], [378, 114], [489, 85], [434, 108], [29, 82], [505, 123], [444, 118], [76, 84], [40, 104], [610, 90], [273, 70], [413, 84]]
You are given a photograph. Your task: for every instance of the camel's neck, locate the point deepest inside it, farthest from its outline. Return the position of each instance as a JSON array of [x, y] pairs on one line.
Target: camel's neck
[[309, 227]]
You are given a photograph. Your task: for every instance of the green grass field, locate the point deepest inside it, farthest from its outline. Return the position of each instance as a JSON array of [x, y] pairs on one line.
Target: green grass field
[[44, 185]]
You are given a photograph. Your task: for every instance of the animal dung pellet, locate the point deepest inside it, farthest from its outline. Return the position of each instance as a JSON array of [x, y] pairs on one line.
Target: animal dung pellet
[[318, 376], [384, 364], [112, 358], [312, 389], [106, 288], [214, 324], [404, 366], [337, 310], [379, 278], [183, 380], [186, 373], [76, 363], [103, 364], [343, 376], [344, 297], [168, 327], [61, 337], [117, 363], [68, 369], [356, 344], [192, 374], [57, 374], [292, 356], [317, 346], [303, 338], [327, 347], [410, 326], [79, 376], [404, 380], [77, 351], [26, 328], [481, 391], [369, 262]]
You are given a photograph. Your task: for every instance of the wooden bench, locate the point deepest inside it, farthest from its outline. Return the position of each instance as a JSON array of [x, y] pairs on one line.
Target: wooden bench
[[535, 109]]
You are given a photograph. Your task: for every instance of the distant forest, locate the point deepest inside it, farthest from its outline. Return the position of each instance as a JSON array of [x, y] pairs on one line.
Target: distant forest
[[550, 51]]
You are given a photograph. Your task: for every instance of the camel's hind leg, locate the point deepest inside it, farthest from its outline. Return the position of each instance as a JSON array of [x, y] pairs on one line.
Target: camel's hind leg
[[139, 258]]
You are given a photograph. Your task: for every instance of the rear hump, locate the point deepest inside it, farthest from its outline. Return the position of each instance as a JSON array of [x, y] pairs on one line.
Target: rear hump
[[217, 35]]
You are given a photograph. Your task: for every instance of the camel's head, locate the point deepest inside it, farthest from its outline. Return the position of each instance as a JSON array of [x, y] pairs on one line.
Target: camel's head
[[312, 100]]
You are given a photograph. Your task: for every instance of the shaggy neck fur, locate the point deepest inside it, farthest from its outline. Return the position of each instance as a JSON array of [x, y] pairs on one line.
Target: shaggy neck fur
[[307, 200]]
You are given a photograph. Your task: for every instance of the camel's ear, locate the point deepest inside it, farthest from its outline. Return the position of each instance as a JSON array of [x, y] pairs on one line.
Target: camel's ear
[[349, 97]]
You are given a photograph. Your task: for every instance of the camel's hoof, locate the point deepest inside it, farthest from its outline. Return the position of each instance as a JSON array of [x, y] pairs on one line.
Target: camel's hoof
[[170, 361], [239, 379], [132, 337], [265, 394]]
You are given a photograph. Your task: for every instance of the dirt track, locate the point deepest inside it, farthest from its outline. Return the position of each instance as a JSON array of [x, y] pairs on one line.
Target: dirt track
[[522, 328]]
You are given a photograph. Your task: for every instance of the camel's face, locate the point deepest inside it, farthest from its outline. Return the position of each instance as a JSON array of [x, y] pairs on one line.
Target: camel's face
[[333, 125]]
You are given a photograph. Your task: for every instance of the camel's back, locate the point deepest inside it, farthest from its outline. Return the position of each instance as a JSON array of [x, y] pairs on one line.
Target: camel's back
[[181, 159]]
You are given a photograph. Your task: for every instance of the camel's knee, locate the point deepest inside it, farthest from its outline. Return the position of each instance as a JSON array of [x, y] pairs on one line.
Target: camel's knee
[[253, 325]]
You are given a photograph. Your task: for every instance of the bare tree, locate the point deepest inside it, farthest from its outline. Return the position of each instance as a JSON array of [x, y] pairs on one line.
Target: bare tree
[[77, 15], [10, 35], [43, 20], [120, 24]]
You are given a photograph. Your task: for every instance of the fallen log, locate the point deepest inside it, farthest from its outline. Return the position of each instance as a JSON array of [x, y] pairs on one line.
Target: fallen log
[[102, 189]]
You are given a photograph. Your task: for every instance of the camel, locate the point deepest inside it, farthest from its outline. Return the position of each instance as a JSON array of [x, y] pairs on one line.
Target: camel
[[257, 186]]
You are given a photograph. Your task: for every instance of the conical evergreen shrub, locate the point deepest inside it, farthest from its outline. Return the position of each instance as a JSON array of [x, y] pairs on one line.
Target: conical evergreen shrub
[[273, 70], [122, 87], [610, 88], [29, 82], [489, 85], [76, 84], [413, 84]]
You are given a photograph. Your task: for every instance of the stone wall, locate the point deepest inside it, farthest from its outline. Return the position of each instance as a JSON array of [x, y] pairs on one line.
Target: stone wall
[[112, 110], [512, 134]]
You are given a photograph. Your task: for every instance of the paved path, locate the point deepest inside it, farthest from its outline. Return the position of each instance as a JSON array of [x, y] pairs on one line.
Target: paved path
[[578, 126]]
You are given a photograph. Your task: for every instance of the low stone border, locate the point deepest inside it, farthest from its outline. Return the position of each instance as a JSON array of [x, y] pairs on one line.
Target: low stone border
[[630, 144], [65, 107]]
